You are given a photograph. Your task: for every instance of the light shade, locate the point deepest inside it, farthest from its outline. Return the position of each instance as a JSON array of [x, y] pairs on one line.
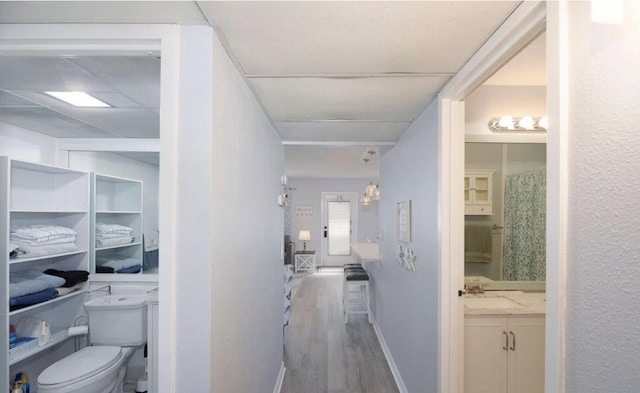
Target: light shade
[[304, 235]]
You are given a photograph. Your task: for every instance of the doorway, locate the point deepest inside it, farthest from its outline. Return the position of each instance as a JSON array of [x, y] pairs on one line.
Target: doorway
[[339, 226]]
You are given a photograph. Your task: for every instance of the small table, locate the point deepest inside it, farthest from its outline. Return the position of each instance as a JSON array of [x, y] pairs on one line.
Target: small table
[[305, 260]]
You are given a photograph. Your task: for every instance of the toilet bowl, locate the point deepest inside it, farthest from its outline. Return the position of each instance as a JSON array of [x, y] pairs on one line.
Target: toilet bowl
[[117, 327], [99, 369]]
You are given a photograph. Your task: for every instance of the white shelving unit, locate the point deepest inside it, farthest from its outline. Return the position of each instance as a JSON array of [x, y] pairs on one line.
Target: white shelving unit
[[116, 200], [40, 194]]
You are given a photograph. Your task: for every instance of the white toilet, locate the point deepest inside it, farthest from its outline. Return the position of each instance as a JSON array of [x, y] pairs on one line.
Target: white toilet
[[117, 327]]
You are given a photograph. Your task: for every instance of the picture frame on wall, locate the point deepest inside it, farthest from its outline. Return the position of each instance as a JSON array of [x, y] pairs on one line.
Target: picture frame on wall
[[404, 221]]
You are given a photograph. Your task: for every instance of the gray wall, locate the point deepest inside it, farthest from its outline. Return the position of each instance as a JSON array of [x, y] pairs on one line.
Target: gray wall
[[308, 192], [603, 306], [406, 303], [247, 272]]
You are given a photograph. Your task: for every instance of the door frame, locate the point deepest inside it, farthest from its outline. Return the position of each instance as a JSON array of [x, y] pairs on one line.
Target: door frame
[[522, 26], [323, 220]]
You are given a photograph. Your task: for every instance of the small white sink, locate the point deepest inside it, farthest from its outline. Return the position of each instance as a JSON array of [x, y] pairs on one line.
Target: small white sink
[[490, 302]]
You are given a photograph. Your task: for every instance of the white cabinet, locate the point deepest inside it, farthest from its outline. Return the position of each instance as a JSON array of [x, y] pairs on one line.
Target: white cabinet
[[116, 200], [33, 194], [504, 354], [478, 193]]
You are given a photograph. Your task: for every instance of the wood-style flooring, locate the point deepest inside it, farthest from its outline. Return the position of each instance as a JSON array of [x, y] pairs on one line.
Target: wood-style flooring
[[322, 354]]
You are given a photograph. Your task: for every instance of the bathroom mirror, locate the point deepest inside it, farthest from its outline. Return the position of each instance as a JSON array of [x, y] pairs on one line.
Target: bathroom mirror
[[140, 167], [506, 249], [119, 140]]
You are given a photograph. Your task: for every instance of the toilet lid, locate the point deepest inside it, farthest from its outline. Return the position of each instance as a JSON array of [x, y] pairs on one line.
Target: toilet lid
[[80, 365]]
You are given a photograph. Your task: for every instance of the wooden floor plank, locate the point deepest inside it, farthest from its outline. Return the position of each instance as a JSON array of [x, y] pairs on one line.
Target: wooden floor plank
[[322, 354]]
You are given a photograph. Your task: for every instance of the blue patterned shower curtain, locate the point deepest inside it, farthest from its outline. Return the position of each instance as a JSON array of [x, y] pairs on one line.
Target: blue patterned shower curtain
[[524, 252]]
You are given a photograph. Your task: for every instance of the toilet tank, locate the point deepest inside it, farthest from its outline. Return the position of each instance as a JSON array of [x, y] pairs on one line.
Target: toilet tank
[[117, 320]]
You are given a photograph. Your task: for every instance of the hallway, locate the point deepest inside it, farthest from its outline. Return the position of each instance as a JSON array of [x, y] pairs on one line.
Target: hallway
[[322, 354]]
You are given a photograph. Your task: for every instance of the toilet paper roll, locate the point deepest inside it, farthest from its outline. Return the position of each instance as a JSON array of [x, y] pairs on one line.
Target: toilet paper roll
[[78, 330]]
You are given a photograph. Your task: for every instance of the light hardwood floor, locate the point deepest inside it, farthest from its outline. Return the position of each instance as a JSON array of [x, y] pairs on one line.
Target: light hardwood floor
[[322, 354]]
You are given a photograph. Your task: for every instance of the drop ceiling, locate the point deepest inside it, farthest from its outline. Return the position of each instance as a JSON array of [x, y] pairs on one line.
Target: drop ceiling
[[326, 73]]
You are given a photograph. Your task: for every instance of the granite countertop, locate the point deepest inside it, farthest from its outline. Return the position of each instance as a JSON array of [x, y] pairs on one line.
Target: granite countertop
[[505, 303]]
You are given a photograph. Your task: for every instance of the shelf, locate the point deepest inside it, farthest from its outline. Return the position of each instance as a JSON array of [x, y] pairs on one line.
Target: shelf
[[56, 211], [64, 254], [118, 212], [44, 168], [54, 300], [56, 338], [119, 246]]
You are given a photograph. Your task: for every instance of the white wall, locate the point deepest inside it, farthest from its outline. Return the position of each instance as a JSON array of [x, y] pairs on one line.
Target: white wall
[[112, 164], [603, 269], [406, 303], [247, 268], [487, 102], [21, 144], [307, 192]]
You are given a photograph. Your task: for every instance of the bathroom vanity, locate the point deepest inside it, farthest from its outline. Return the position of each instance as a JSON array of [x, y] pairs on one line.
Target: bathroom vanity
[[504, 342]]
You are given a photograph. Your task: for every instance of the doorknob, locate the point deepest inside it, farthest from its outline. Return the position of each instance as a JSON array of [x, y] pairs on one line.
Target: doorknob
[[325, 231]]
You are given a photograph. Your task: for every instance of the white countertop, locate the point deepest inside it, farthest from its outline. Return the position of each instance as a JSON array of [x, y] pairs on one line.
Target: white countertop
[[367, 252], [526, 304]]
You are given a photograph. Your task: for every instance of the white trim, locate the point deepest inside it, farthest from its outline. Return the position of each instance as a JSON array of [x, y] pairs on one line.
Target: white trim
[[558, 90], [507, 138], [278, 387], [387, 354], [522, 26], [336, 143], [110, 39]]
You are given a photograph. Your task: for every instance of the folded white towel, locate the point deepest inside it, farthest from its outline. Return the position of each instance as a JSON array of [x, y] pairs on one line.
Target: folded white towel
[[37, 234]]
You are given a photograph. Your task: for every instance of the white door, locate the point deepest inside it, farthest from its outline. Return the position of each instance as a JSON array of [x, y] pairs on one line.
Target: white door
[[339, 220]]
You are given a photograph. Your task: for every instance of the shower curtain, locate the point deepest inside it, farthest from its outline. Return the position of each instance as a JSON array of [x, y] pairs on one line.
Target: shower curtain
[[524, 251]]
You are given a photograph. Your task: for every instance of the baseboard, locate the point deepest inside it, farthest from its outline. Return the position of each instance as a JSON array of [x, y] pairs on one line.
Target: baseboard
[[387, 354], [278, 386]]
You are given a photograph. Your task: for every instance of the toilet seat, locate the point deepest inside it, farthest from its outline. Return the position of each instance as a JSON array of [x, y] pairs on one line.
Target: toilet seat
[[80, 365]]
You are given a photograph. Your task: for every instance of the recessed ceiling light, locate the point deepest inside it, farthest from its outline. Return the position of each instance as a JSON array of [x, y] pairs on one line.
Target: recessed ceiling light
[[78, 98]]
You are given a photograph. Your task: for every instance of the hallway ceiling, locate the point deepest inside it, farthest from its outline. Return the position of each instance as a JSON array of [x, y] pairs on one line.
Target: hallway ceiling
[[327, 73]]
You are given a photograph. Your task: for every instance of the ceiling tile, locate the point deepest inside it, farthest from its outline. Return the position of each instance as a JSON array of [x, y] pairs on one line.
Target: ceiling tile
[[100, 12], [341, 131], [131, 123], [135, 77], [49, 122], [328, 162], [46, 74], [386, 99], [330, 37]]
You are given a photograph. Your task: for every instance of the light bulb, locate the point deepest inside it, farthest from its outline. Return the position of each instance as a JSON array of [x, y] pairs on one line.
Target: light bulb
[[543, 122], [365, 200], [506, 122], [526, 122]]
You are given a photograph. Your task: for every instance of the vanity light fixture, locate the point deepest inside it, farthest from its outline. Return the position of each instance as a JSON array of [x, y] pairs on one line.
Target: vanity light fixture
[[78, 98], [525, 123]]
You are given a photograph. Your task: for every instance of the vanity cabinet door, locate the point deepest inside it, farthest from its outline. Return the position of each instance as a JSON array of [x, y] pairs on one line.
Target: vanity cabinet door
[[526, 355], [504, 355], [485, 355]]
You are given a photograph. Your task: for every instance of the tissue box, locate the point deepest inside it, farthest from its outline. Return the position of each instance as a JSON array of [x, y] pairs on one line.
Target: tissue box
[[22, 344]]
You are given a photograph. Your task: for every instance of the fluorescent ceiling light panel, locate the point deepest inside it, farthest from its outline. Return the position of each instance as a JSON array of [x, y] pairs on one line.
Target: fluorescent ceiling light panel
[[78, 98]]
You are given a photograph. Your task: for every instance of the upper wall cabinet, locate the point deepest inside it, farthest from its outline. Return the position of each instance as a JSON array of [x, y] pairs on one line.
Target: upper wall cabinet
[[478, 198], [116, 225]]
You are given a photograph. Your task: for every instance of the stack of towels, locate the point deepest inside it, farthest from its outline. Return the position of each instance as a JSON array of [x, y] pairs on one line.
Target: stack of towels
[[117, 264], [30, 287], [108, 235], [40, 239]]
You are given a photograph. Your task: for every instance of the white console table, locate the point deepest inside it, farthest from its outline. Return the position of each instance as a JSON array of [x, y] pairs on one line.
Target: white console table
[[305, 260]]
